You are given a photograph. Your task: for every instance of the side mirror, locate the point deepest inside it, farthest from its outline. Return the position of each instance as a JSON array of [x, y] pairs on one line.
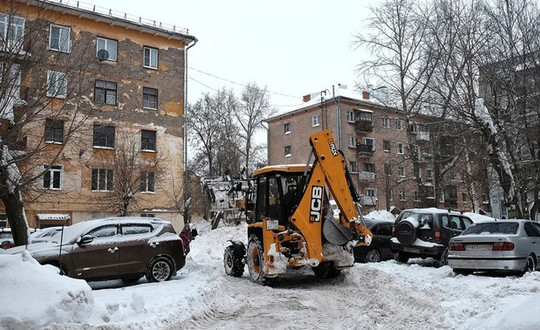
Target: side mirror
[[86, 239]]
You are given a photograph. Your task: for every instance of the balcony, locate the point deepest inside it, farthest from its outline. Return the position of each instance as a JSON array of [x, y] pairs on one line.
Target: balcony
[[422, 136], [364, 126], [364, 150], [366, 177], [368, 200]]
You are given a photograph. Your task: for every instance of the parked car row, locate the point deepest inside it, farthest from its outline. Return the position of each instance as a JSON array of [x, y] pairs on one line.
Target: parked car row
[[126, 248]]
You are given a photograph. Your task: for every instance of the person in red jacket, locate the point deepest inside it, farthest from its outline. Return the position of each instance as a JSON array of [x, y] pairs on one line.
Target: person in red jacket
[[186, 237]]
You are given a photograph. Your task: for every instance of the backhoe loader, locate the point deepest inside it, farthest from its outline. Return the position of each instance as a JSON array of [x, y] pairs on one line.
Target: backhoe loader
[[291, 223]]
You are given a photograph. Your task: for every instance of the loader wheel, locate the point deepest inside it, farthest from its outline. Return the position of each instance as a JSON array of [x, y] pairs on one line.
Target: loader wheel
[[255, 262], [326, 270], [233, 262]]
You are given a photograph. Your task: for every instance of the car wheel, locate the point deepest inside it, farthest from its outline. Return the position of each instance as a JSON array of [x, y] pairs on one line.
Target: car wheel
[[373, 256], [160, 270], [131, 279], [530, 266], [233, 262], [255, 262], [401, 257], [326, 270], [443, 259], [463, 271]]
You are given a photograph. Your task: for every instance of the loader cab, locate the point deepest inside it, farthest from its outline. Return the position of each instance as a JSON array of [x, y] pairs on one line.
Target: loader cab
[[278, 190]]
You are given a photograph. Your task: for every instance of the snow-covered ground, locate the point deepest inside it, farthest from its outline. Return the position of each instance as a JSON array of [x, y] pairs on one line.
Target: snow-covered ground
[[372, 296]]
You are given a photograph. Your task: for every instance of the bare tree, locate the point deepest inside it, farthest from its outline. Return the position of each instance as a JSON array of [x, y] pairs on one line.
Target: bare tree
[[34, 89], [253, 110]]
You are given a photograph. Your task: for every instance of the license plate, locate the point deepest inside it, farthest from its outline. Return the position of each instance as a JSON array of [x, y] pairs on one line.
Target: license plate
[[413, 250], [478, 247]]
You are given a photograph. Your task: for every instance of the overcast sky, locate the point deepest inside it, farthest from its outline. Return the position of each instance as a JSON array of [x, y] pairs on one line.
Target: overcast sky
[[293, 48]]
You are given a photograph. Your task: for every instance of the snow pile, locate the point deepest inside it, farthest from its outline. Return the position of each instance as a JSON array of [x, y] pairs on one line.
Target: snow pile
[[381, 215], [35, 295]]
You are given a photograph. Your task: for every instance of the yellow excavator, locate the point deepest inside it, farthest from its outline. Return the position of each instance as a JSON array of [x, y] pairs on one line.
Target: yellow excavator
[[291, 223]]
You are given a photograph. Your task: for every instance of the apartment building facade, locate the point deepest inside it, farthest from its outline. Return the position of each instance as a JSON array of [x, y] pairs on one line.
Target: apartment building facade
[[378, 144], [109, 133]]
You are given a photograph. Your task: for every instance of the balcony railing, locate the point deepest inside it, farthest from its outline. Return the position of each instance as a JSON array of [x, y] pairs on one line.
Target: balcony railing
[[368, 200], [365, 176], [364, 126], [422, 136], [364, 150]]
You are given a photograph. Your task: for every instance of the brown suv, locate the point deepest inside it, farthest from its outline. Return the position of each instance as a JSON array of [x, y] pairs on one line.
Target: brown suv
[[113, 248]]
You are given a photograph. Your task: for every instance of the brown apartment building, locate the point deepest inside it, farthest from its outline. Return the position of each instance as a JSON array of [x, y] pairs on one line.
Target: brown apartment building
[[377, 142], [107, 123]]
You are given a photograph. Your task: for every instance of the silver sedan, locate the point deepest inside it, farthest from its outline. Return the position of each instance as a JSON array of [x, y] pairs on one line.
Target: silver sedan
[[504, 245]]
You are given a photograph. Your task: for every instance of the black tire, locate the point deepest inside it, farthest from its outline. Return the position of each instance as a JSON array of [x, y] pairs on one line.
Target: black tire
[[405, 232], [131, 279], [401, 257], [530, 266], [160, 270], [443, 259], [372, 256], [232, 262], [326, 270], [255, 262], [463, 272]]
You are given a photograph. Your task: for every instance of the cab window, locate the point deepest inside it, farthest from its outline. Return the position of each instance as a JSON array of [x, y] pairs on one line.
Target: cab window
[[104, 231]]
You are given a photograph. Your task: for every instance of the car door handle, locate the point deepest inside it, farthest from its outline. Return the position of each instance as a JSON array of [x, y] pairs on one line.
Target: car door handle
[[154, 244], [112, 250]]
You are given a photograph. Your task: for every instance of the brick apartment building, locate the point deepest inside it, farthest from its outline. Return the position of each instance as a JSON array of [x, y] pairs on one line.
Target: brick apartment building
[[376, 145], [121, 79]]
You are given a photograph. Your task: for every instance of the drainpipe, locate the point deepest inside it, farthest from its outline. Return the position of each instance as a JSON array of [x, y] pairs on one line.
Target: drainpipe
[[186, 173]]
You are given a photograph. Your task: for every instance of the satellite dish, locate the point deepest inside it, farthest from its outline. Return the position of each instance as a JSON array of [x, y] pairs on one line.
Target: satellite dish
[[102, 55]]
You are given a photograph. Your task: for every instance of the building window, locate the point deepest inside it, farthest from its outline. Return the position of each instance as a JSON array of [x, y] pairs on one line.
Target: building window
[[391, 195], [369, 142], [401, 170], [399, 124], [352, 141], [416, 196], [288, 151], [400, 148], [371, 192], [429, 174], [103, 136], [287, 128], [402, 196], [54, 131], [105, 92], [464, 197], [3, 220], [148, 215], [12, 30], [148, 182], [59, 38], [52, 179], [369, 167], [106, 49], [150, 98], [148, 140], [385, 122], [386, 145], [353, 167], [56, 84], [350, 116], [315, 121], [150, 58], [441, 197], [102, 179]]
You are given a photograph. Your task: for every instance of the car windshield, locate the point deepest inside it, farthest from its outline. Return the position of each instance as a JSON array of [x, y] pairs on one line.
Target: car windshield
[[509, 228]]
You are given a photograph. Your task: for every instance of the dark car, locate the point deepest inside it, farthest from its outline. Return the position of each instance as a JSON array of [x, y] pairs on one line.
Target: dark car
[[426, 233], [506, 245], [379, 249], [6, 238], [113, 248]]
